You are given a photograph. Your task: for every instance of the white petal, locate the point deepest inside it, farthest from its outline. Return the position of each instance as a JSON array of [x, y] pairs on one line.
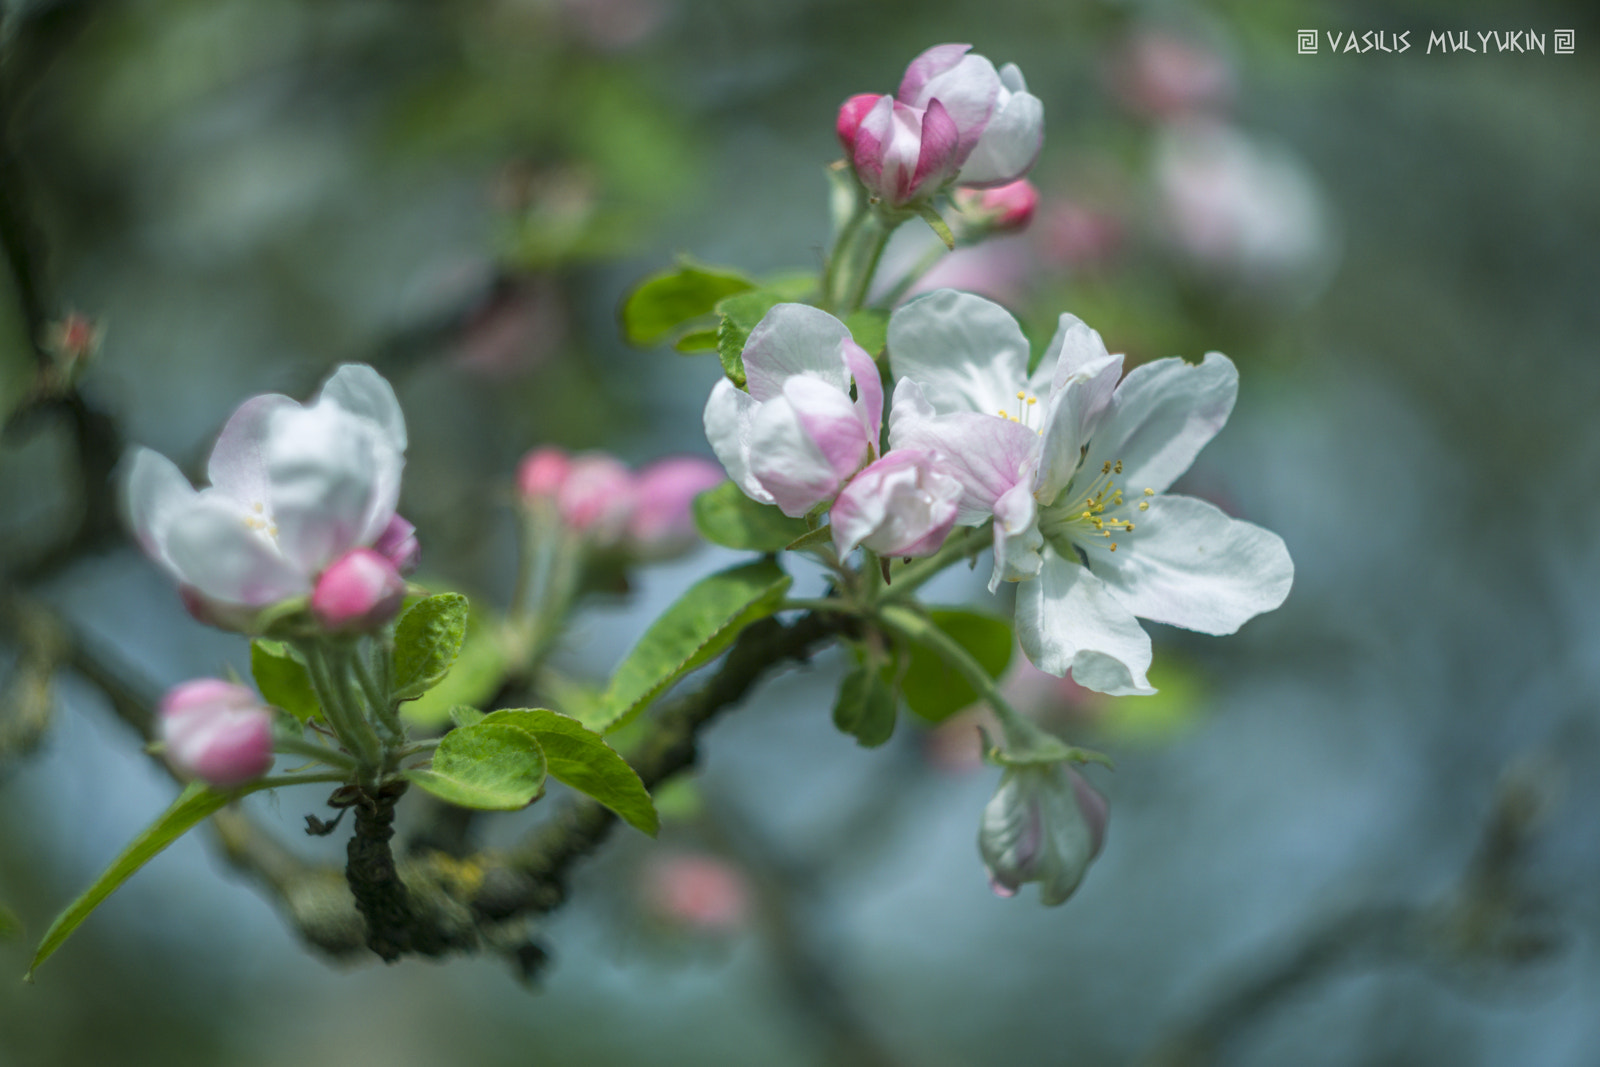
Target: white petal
[[331, 477], [1073, 348], [1017, 539], [154, 491], [1067, 620], [1011, 78], [967, 353], [360, 390], [795, 339], [238, 464], [1076, 406], [1010, 143], [987, 454], [1189, 564], [214, 548], [727, 421], [969, 91], [1160, 418], [785, 460]]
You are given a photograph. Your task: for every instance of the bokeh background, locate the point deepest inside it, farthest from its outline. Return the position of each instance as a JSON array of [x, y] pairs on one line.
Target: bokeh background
[[1362, 831]]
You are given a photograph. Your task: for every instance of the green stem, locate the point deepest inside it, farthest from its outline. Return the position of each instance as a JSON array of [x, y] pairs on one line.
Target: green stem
[[916, 627], [377, 697], [831, 604], [354, 732], [872, 246], [913, 576], [296, 746], [841, 251]]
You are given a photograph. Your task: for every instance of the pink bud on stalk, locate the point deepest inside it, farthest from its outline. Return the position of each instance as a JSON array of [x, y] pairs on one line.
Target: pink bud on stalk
[[360, 591], [662, 523], [216, 731], [902, 505], [1003, 209], [542, 473], [597, 497]]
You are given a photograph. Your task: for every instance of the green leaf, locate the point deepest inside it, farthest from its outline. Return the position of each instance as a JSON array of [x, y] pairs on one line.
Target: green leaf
[[740, 314], [931, 216], [866, 705], [664, 302], [489, 766], [725, 516], [935, 691], [474, 678], [869, 328], [427, 642], [283, 679], [463, 716], [696, 341], [580, 757], [192, 806], [692, 632]]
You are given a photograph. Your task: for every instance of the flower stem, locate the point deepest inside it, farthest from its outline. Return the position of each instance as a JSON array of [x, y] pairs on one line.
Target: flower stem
[[354, 732], [913, 576], [875, 237], [297, 746]]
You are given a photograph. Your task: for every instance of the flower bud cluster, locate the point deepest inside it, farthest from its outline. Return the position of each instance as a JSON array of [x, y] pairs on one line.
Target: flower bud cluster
[[645, 513]]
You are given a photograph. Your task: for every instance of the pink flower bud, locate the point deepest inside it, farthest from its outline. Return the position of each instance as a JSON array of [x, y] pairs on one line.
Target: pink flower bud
[[904, 154], [902, 505], [851, 112], [398, 544], [700, 892], [1005, 209], [542, 473], [597, 497], [361, 590], [662, 523], [216, 731]]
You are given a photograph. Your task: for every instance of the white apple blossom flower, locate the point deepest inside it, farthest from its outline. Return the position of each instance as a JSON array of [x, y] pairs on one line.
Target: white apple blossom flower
[[1073, 468], [797, 437], [293, 488]]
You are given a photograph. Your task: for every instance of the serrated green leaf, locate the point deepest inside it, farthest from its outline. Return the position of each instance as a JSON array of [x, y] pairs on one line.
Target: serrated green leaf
[[725, 516], [488, 766], [865, 708], [475, 676], [427, 642], [580, 758], [664, 303], [696, 341], [462, 716], [193, 805], [692, 632], [935, 691], [869, 329], [283, 680]]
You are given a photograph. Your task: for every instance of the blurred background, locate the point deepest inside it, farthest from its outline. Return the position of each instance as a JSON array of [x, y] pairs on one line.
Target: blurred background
[[1361, 831]]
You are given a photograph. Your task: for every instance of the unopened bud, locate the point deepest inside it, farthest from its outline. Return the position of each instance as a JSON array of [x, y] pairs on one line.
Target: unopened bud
[[360, 590], [1005, 209], [596, 497], [699, 892], [542, 473], [398, 544], [662, 523], [1044, 824], [216, 731]]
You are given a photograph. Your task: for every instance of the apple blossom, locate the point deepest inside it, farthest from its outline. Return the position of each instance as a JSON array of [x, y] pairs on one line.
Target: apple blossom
[[1072, 467], [796, 437], [662, 522], [901, 153], [293, 488], [902, 505], [1000, 123], [1002, 209], [1044, 824], [216, 731], [361, 590]]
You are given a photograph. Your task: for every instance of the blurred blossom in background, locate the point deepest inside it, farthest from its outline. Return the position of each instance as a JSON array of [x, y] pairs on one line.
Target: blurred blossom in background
[[1362, 831]]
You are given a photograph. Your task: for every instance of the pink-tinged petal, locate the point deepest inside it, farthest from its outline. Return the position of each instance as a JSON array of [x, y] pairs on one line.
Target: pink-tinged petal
[[927, 66], [869, 387], [851, 112], [227, 555], [1068, 621], [363, 392], [902, 505], [1073, 348], [542, 472], [1161, 416], [238, 464], [361, 591], [1188, 564], [989, 455], [1006, 208], [597, 497], [1076, 407], [936, 158], [1017, 539], [874, 134], [216, 731], [1010, 143], [795, 339], [830, 419], [787, 461], [967, 353], [970, 90], [154, 491], [901, 153], [728, 417], [398, 544], [327, 470]]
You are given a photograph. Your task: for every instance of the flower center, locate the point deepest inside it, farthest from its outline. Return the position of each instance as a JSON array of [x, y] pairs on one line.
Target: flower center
[[258, 521], [1093, 515], [1026, 405]]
